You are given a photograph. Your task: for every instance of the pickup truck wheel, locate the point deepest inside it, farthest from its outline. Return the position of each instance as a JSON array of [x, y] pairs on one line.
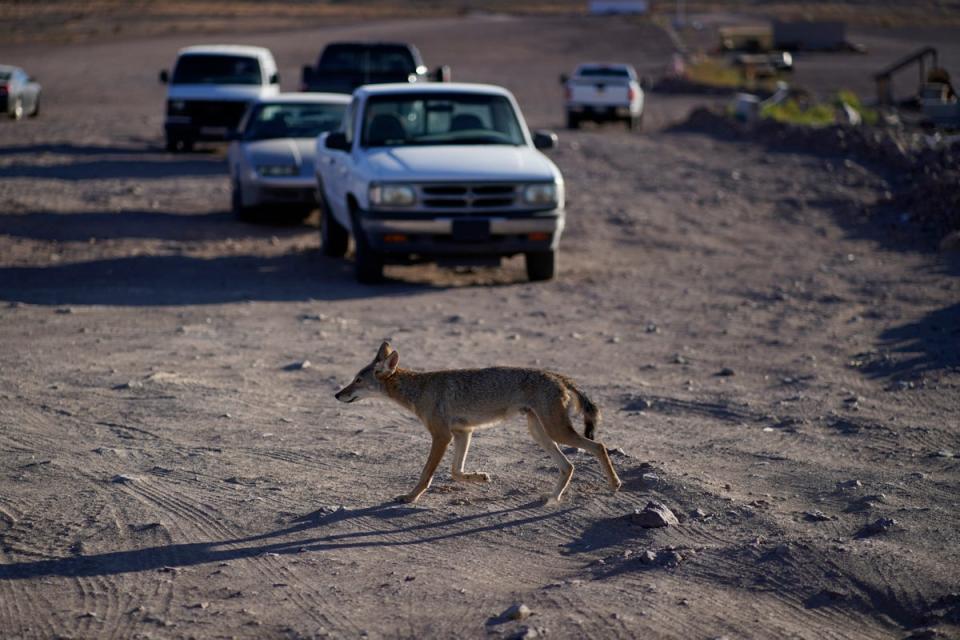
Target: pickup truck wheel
[[367, 262], [573, 120], [541, 265], [333, 237], [635, 123]]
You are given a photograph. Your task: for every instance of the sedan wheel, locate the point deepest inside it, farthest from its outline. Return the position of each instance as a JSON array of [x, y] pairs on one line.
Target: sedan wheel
[[17, 112]]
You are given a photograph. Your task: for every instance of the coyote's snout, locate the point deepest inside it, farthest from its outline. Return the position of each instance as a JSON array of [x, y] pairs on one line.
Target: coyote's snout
[[451, 404]]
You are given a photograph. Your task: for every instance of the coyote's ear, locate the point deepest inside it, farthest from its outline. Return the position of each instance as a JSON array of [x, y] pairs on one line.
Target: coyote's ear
[[387, 367], [384, 351]]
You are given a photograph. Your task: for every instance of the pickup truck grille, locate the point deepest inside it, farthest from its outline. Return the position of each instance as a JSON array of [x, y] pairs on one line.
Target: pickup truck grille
[[468, 197], [216, 113]]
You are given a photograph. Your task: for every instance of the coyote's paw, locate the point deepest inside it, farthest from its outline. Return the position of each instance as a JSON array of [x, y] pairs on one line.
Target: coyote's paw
[[616, 485], [479, 477], [406, 498], [550, 500]]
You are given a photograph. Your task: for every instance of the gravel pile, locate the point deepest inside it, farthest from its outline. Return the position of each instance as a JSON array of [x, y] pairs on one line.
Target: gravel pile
[[925, 175]]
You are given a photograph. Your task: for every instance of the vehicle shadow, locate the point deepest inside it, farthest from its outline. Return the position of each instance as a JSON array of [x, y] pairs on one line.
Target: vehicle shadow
[[140, 168], [140, 224], [69, 149], [306, 534], [167, 280]]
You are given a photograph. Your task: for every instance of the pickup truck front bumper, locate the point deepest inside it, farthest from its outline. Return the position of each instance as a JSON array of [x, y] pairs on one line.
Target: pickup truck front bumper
[[441, 235]]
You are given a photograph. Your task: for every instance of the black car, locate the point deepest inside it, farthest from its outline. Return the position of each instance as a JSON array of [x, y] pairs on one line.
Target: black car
[[19, 93], [344, 66]]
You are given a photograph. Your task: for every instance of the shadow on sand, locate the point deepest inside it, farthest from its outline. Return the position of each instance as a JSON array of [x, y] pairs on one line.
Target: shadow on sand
[[285, 541]]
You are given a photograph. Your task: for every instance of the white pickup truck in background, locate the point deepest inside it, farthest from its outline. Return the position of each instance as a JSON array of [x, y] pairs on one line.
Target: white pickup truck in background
[[445, 173], [604, 92]]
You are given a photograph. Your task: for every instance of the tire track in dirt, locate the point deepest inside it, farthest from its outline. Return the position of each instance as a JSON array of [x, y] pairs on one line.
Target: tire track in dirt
[[213, 530]]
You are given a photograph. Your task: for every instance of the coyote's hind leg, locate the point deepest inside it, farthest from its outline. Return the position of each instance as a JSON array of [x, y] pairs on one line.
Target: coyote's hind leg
[[566, 467]]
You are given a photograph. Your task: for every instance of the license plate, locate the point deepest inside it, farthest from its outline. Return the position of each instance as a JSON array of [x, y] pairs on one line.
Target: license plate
[[213, 131], [471, 230]]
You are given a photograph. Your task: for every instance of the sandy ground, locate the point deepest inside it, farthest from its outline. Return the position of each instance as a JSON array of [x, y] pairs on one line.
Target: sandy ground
[[776, 366]]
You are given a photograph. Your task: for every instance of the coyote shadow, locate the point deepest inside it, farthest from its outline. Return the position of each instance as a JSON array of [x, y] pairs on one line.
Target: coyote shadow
[[300, 537]]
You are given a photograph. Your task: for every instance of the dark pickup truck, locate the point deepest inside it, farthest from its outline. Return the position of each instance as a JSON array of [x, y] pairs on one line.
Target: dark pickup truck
[[344, 66]]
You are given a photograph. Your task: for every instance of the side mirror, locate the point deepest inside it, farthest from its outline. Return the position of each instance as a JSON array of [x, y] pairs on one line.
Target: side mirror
[[564, 78], [275, 78], [164, 77], [545, 139], [442, 74], [337, 140]]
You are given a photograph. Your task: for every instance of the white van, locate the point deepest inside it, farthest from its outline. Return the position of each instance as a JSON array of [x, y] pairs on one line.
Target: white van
[[210, 89]]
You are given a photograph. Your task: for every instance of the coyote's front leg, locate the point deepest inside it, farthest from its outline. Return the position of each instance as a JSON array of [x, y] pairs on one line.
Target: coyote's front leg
[[461, 444], [440, 442]]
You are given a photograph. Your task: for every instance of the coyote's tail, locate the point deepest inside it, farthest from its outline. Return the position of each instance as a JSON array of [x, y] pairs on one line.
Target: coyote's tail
[[590, 411]]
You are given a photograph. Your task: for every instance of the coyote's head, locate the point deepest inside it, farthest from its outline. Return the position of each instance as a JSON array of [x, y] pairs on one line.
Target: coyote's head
[[369, 380]]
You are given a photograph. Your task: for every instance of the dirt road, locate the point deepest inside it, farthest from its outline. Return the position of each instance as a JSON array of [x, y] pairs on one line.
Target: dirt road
[[776, 368]]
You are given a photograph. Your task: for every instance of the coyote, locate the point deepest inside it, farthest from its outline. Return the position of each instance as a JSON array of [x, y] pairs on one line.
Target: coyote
[[451, 404]]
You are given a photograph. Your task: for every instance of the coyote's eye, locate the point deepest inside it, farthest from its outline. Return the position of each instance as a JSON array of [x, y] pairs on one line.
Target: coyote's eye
[[357, 381]]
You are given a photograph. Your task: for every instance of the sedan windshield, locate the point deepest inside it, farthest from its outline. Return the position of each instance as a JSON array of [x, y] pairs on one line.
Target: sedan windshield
[[440, 118], [216, 69], [292, 120]]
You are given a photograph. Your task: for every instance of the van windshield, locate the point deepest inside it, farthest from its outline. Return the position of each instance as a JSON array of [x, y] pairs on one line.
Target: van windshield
[[439, 119], [216, 69]]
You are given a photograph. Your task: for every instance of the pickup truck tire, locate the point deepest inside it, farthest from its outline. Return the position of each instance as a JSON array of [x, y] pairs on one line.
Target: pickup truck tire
[[541, 265], [367, 262], [573, 120], [635, 123], [333, 237]]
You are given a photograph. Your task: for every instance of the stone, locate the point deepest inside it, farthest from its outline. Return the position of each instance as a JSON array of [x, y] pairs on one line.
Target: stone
[[518, 611], [816, 516], [654, 515], [648, 557], [880, 525], [650, 479], [726, 372], [298, 366]]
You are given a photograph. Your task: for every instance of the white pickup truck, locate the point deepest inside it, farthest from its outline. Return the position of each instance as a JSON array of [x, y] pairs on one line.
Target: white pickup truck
[[447, 173], [603, 92]]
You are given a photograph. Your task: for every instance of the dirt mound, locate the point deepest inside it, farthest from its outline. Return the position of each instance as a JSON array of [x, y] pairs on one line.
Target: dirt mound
[[924, 171]]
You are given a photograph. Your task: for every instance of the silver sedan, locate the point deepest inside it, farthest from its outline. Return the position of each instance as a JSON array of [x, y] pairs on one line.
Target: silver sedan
[[271, 159], [19, 93]]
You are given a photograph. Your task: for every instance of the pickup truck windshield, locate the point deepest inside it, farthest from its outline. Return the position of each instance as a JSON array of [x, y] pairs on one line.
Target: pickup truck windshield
[[292, 120], [366, 59], [216, 69], [440, 119]]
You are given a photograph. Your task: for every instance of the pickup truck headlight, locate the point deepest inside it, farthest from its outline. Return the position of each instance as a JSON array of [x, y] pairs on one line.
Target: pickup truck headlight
[[392, 195], [540, 194], [276, 170]]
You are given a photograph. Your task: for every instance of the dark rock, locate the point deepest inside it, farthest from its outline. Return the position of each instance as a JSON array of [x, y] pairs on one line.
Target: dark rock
[[654, 515], [880, 525], [518, 611]]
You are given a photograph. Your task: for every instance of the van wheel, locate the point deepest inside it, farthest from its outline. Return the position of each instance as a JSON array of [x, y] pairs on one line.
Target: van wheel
[[541, 265]]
